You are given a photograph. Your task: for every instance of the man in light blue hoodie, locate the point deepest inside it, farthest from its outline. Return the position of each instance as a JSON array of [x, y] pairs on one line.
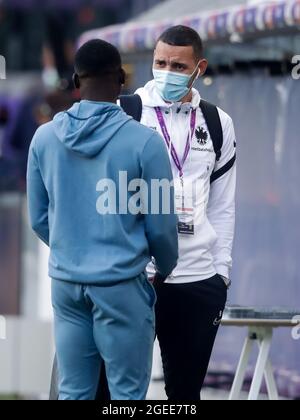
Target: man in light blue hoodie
[[100, 242]]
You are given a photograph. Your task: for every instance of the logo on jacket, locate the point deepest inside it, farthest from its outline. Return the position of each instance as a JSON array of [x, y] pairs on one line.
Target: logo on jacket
[[202, 136]]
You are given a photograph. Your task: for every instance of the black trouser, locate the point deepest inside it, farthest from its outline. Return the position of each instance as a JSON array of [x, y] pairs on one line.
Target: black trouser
[[187, 321]]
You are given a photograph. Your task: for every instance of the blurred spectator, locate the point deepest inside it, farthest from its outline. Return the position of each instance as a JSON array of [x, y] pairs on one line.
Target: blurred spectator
[[8, 176], [3, 122]]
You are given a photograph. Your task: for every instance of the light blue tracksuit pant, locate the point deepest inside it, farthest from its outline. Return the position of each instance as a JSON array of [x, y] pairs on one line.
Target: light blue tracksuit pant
[[114, 324]]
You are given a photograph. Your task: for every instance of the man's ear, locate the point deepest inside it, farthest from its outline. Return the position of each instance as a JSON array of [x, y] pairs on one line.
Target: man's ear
[[122, 77], [199, 72], [76, 81], [203, 67]]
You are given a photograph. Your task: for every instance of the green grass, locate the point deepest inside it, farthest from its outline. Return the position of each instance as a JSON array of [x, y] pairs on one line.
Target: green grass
[[9, 398]]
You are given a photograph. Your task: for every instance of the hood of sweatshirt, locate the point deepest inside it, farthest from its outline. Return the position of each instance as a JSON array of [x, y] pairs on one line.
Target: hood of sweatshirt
[[89, 126]]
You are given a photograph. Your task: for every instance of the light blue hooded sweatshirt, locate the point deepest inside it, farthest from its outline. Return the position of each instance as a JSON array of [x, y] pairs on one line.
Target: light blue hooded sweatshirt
[[68, 158]]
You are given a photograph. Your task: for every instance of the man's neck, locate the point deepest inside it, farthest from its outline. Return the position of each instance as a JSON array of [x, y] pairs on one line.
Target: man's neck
[[97, 98], [188, 98], [97, 93]]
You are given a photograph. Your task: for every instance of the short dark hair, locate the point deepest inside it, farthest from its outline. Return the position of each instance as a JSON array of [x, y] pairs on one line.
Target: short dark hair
[[97, 58], [183, 36]]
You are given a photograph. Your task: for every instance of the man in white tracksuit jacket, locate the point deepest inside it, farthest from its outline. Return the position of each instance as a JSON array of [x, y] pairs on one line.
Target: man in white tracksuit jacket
[[191, 300]]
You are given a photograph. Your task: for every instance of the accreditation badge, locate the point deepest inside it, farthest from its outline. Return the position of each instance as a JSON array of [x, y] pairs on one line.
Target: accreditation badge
[[185, 208]]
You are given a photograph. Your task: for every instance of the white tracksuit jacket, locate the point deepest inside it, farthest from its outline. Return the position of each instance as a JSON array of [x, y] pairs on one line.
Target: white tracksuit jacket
[[209, 251]]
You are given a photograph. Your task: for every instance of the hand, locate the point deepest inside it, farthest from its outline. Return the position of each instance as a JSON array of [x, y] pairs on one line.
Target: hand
[[226, 281], [157, 279]]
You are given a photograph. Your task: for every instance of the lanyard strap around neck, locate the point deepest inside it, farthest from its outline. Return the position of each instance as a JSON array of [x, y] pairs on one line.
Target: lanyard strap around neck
[[179, 164]]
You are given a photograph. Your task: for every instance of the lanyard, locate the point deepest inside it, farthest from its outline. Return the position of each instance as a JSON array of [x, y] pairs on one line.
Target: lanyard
[[162, 123]]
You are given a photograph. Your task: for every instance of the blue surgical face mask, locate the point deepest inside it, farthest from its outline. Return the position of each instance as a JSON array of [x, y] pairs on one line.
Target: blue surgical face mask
[[172, 86]]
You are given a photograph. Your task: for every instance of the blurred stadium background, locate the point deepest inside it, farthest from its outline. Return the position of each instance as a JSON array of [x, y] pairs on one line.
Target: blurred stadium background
[[250, 46]]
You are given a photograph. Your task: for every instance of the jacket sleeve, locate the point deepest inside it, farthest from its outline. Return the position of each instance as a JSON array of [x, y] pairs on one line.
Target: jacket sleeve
[[161, 219], [37, 196], [221, 206]]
